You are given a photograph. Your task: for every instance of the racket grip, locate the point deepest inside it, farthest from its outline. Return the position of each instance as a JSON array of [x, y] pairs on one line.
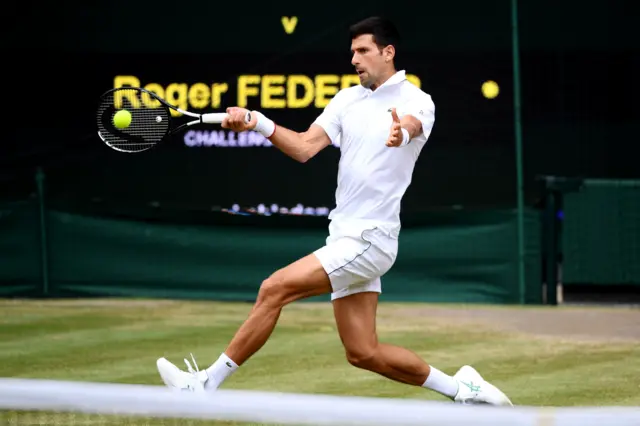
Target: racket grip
[[218, 117], [214, 117]]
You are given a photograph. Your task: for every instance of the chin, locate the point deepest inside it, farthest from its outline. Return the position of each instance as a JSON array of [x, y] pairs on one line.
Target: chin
[[364, 82]]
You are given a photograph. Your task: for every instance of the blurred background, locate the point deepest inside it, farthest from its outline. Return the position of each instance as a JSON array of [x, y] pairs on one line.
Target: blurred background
[[528, 191]]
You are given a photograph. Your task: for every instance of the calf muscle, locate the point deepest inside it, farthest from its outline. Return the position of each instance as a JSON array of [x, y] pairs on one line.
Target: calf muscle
[[356, 321]]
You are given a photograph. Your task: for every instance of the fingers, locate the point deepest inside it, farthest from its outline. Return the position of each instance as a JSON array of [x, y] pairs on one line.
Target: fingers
[[394, 140], [395, 132], [235, 119], [394, 115]]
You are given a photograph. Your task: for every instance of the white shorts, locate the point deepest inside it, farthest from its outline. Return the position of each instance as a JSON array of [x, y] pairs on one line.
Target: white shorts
[[356, 263]]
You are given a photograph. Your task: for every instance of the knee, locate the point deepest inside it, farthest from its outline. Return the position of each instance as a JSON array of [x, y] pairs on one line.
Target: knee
[[362, 357], [273, 292]]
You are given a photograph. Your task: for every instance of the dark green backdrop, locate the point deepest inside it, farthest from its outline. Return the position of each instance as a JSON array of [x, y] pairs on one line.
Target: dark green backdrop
[[454, 256]]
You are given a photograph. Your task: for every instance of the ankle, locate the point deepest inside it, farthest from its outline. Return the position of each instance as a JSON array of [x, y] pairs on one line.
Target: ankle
[[441, 383], [219, 371]]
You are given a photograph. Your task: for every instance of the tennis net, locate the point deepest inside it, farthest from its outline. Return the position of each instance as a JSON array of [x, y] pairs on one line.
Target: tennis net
[[48, 402]]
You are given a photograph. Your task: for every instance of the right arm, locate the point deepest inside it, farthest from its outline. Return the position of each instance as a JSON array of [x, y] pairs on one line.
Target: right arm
[[299, 146]]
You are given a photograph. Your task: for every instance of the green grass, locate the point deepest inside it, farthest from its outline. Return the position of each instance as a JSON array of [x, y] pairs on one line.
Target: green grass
[[119, 341]]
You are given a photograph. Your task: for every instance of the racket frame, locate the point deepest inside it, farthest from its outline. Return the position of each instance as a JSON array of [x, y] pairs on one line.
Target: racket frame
[[208, 118]]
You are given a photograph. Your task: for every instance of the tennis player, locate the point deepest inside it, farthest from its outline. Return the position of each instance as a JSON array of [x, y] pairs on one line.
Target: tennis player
[[382, 125]]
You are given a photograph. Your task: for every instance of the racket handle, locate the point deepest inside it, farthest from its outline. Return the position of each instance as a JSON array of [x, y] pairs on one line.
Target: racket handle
[[214, 117], [217, 117]]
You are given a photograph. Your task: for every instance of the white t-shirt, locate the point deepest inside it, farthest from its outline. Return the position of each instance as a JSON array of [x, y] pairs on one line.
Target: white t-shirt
[[372, 178]]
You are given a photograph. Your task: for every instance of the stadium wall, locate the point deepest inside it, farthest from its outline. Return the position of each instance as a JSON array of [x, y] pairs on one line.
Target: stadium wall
[[448, 256]]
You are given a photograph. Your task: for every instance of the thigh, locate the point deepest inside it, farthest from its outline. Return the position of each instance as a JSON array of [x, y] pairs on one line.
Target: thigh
[[303, 278], [356, 320], [374, 285]]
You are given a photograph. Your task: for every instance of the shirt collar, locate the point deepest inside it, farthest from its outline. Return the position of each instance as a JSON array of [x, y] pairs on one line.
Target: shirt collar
[[398, 77]]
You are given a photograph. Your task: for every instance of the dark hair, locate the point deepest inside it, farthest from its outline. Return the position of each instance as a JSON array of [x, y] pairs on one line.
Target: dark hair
[[383, 31]]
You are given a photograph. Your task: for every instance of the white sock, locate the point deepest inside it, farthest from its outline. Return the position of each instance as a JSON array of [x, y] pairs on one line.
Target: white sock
[[441, 383], [219, 371]]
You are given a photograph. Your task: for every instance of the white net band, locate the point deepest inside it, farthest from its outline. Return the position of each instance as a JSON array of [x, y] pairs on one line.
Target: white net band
[[283, 408]]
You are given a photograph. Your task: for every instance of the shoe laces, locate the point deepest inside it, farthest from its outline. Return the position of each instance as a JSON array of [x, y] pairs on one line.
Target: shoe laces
[[190, 368]]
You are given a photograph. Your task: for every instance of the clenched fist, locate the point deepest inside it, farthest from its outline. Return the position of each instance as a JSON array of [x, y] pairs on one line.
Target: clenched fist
[[239, 119]]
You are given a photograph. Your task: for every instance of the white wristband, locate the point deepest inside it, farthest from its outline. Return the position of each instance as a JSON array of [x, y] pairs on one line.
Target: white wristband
[[405, 137], [264, 126]]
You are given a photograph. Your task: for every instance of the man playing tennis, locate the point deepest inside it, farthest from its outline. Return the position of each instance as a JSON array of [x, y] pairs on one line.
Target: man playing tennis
[[383, 124]]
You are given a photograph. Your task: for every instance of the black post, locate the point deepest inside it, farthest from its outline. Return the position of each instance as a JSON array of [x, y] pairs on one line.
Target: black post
[[551, 249], [554, 188], [43, 233]]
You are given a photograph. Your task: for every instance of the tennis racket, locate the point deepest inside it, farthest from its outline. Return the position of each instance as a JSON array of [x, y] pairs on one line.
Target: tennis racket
[[143, 119]]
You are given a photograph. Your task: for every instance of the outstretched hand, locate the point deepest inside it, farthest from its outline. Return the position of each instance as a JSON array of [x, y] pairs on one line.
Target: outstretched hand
[[395, 133]]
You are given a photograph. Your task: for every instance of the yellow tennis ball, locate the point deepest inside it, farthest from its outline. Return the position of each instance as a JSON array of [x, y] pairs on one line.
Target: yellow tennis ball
[[122, 119], [490, 89]]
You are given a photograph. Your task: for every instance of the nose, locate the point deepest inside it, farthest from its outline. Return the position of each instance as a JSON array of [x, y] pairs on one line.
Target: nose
[[354, 59]]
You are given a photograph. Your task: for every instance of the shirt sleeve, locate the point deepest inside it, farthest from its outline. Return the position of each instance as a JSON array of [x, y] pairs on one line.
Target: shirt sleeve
[[329, 120], [424, 110]]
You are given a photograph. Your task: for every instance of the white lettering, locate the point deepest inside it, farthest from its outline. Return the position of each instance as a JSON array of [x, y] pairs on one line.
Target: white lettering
[[242, 139], [298, 210], [229, 139], [224, 139]]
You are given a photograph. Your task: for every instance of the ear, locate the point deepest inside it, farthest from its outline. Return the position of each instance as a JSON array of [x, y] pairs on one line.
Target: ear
[[389, 53]]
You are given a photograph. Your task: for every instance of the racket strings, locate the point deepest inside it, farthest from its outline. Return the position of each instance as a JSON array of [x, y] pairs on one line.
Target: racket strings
[[148, 125]]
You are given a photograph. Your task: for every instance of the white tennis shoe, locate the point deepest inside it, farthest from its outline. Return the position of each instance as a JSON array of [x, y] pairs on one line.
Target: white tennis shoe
[[173, 377], [473, 389]]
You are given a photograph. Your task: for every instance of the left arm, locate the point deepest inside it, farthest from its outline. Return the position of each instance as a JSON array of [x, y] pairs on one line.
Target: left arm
[[416, 122], [412, 125], [403, 130]]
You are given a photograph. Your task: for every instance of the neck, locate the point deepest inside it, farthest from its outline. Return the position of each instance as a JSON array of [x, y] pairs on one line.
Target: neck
[[386, 75]]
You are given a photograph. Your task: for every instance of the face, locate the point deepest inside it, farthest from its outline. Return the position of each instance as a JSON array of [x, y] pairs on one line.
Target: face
[[370, 62]]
